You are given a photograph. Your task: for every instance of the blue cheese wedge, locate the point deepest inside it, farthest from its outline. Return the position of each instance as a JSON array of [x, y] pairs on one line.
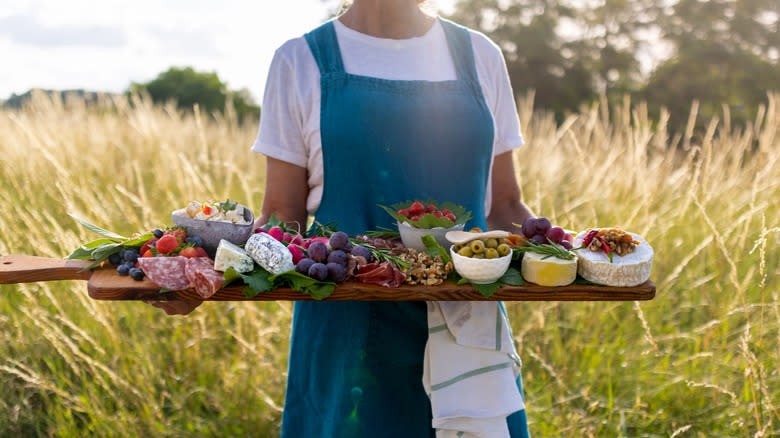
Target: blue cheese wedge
[[269, 253], [230, 255]]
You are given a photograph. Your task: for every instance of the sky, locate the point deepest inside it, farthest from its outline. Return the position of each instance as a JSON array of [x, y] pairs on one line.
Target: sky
[[104, 45]]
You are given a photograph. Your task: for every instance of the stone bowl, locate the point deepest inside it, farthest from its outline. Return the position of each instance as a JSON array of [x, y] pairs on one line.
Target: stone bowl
[[412, 237], [211, 232], [480, 271]]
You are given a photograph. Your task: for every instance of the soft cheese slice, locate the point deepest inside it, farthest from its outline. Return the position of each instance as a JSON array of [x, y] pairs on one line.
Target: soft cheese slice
[[630, 270], [269, 253], [550, 271], [230, 255]]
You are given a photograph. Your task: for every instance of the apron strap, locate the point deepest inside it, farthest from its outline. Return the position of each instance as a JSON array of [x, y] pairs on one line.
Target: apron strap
[[325, 47], [459, 40]]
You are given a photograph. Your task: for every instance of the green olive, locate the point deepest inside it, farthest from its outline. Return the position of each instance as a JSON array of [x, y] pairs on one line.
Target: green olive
[[491, 253], [504, 250], [478, 256], [477, 246], [491, 243], [466, 251], [457, 247]]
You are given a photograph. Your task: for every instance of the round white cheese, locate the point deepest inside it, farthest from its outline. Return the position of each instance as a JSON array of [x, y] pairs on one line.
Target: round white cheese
[[550, 271], [630, 270]]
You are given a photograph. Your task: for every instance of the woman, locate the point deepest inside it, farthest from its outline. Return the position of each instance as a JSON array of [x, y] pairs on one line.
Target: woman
[[381, 105]]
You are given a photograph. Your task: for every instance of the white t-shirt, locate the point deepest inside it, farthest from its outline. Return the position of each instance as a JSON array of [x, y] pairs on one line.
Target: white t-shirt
[[290, 121]]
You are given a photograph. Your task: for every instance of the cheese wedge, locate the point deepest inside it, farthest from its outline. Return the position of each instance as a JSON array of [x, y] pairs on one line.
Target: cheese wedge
[[230, 255], [550, 271], [630, 270]]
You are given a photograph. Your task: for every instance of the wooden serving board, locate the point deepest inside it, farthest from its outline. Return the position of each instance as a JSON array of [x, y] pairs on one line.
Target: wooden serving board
[[106, 284]]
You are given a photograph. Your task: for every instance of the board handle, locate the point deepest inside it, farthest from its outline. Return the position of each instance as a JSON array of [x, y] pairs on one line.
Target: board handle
[[17, 268]]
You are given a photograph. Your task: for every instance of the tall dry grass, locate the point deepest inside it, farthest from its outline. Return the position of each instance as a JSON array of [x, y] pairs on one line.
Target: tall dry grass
[[701, 359]]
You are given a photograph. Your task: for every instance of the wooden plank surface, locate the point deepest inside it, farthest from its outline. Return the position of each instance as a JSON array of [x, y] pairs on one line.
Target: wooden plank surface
[[105, 284], [19, 268]]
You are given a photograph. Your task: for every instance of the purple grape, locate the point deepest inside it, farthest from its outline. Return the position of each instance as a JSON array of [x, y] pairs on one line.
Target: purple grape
[[336, 272], [318, 251], [337, 256], [361, 251], [303, 266], [338, 240], [318, 271], [555, 234], [539, 239], [542, 225], [529, 227]]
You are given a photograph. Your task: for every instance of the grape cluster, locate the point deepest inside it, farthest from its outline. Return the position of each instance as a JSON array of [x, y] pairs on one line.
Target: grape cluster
[[328, 261], [125, 262], [540, 231]]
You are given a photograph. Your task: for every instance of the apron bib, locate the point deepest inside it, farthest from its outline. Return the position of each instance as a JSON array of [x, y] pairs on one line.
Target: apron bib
[[355, 368]]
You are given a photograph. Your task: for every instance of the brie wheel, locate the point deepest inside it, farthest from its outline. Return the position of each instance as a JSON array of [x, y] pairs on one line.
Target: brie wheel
[[630, 270]]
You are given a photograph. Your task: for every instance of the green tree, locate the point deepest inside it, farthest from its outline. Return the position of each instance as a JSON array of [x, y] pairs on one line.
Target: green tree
[[188, 87], [568, 52]]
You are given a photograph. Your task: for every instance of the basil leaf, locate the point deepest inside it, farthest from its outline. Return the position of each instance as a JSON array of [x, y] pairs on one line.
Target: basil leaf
[[512, 277], [487, 289], [257, 281]]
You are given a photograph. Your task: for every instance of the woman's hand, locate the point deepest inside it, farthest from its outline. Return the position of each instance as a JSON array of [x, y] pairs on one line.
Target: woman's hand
[[507, 205], [175, 307]]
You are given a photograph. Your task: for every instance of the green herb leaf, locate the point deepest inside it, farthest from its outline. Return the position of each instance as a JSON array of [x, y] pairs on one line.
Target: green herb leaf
[[257, 281], [302, 283], [227, 205], [512, 277], [550, 249], [433, 248], [487, 289], [97, 229]]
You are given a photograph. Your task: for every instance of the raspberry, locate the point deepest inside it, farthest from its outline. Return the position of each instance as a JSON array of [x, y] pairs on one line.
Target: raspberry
[[167, 243], [297, 240], [430, 208], [438, 214], [286, 237], [417, 208], [450, 216]]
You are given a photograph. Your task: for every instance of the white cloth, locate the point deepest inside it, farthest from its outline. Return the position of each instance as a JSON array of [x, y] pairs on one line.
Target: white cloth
[[470, 369], [290, 121]]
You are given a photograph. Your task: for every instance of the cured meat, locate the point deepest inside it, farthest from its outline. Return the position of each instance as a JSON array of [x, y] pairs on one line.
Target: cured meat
[[167, 272], [204, 278], [381, 273]]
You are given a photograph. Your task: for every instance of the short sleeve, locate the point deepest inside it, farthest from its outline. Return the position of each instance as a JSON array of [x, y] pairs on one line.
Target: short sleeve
[[494, 78], [281, 132]]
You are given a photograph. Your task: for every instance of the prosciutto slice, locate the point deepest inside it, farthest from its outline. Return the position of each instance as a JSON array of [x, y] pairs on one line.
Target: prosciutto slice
[[381, 273]]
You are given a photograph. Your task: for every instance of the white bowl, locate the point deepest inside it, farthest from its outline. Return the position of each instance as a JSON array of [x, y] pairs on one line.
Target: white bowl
[[412, 237], [480, 271]]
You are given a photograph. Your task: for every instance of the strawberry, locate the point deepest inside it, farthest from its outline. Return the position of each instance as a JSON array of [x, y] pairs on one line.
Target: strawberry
[[417, 208], [179, 234], [277, 233], [189, 252], [201, 252], [430, 208], [147, 244], [148, 253], [167, 243]]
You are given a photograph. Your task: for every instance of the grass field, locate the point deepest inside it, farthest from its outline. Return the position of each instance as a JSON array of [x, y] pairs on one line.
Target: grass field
[[700, 360]]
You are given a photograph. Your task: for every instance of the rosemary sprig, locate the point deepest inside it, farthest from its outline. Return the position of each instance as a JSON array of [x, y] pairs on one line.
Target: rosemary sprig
[[550, 249], [382, 254]]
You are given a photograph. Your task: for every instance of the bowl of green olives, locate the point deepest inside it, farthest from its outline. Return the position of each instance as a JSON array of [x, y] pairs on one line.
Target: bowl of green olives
[[481, 261]]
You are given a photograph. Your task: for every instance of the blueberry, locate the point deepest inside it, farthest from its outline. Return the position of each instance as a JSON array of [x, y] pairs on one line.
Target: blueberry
[[123, 269], [195, 240], [130, 255], [115, 258], [158, 233], [136, 274]]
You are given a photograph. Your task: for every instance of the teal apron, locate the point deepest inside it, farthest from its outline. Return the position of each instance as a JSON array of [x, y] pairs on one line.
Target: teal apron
[[355, 368]]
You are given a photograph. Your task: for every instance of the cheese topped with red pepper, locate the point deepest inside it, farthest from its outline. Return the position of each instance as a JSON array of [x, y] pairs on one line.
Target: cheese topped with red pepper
[[620, 258]]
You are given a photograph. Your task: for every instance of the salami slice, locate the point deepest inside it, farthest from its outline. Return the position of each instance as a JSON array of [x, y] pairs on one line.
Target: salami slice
[[167, 272], [200, 272]]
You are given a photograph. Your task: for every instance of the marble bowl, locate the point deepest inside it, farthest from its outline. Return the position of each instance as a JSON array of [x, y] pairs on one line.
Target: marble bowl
[[211, 232]]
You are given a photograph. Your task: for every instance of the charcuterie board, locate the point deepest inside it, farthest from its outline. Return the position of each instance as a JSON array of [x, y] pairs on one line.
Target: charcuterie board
[[106, 284]]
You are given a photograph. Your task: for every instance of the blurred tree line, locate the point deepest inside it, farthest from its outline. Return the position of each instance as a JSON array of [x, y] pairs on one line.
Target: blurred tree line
[[187, 87], [718, 52]]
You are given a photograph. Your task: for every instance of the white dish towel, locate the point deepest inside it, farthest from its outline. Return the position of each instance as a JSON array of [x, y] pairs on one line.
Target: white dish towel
[[470, 369]]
